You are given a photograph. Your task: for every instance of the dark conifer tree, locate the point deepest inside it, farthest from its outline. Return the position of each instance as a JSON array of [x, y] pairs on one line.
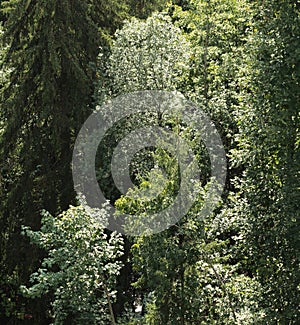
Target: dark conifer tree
[[52, 48]]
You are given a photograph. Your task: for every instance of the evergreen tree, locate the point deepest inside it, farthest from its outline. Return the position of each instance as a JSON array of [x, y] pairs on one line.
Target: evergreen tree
[[52, 50]]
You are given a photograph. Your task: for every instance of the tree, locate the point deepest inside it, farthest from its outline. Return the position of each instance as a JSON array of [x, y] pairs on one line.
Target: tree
[[189, 271], [149, 54], [52, 51], [156, 56], [81, 266], [268, 202], [168, 265], [217, 31]]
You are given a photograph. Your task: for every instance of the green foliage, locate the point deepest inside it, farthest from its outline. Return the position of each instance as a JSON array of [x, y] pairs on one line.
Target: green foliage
[[44, 100], [49, 67], [168, 266], [187, 274], [4, 72], [268, 206], [143, 8], [145, 55], [238, 60], [217, 31], [81, 266], [151, 54]]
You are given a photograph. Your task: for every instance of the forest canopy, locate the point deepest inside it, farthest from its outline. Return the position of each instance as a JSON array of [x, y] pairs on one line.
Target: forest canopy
[[150, 162]]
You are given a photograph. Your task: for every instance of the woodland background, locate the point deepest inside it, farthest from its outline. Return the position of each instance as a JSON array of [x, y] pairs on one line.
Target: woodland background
[[239, 60]]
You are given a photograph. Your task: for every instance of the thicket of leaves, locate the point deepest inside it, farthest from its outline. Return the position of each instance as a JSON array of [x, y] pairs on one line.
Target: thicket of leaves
[[48, 56], [267, 204], [185, 275], [239, 62], [81, 266]]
